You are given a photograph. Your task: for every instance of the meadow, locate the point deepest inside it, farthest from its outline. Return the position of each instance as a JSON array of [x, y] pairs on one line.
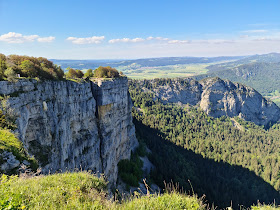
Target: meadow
[[170, 71]]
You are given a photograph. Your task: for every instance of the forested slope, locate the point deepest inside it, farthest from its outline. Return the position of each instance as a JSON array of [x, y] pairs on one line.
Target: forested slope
[[264, 77], [262, 72], [227, 159]]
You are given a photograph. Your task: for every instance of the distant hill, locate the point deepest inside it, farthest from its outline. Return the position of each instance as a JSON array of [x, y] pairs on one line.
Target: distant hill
[[262, 72], [265, 58], [145, 62]]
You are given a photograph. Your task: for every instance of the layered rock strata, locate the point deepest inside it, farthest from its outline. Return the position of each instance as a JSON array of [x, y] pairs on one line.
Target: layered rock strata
[[68, 125], [216, 97]]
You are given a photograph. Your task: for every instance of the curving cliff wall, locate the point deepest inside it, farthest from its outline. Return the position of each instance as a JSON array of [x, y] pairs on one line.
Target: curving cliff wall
[[216, 97], [68, 125]]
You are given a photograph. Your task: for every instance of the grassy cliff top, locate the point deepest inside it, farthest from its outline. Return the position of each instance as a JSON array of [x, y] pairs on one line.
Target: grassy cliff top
[[80, 190]]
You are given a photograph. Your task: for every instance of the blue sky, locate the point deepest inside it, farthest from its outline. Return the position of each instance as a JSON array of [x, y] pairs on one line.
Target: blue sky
[[115, 29]]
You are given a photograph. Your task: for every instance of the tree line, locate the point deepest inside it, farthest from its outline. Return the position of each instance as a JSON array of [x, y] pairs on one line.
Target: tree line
[[14, 66], [223, 162]]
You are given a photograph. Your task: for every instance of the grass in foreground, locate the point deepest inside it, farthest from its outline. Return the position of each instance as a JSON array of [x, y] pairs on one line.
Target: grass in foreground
[[79, 190], [265, 207], [173, 200], [59, 191]]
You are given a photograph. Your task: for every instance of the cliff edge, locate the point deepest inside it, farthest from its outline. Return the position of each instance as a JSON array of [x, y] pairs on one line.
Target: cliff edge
[[68, 125], [216, 97]]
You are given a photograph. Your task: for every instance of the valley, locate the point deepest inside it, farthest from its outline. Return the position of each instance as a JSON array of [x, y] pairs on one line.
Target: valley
[[139, 105], [206, 135]]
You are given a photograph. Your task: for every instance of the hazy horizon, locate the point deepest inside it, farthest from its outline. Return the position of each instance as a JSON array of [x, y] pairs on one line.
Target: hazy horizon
[[94, 30]]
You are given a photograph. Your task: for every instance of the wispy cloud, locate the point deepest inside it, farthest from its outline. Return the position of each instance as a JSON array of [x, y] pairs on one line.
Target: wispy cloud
[[178, 41], [255, 31], [87, 40], [266, 39], [46, 39], [157, 38], [150, 38], [17, 38], [126, 40]]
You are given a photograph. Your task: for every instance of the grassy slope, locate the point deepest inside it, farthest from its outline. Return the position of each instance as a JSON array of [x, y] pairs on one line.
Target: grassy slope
[[79, 190], [9, 142]]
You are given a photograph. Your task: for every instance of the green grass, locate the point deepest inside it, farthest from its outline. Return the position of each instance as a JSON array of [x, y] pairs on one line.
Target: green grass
[[9, 142], [80, 190], [275, 97], [59, 191], [265, 207], [169, 201], [170, 71]]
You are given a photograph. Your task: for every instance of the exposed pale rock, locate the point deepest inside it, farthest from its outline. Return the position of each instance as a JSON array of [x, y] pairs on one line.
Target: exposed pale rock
[[10, 161], [216, 97], [68, 125], [115, 121]]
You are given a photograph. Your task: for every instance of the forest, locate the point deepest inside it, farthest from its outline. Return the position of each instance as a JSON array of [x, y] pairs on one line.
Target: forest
[[16, 66], [227, 163], [260, 72]]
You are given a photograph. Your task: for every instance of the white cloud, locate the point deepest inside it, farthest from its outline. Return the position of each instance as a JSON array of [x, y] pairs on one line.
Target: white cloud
[[266, 39], [178, 41], [150, 38], [87, 40], [244, 36], [255, 31], [126, 40], [46, 39], [13, 37], [158, 38]]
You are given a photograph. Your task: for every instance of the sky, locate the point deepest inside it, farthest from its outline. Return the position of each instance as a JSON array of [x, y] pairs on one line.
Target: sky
[[126, 29]]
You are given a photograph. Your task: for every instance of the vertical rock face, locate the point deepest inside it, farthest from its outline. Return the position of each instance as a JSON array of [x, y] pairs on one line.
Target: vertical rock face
[[223, 97], [115, 121], [216, 97], [68, 125]]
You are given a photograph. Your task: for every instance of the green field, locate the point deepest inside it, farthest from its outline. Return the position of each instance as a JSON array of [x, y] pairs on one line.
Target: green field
[[183, 70], [275, 97]]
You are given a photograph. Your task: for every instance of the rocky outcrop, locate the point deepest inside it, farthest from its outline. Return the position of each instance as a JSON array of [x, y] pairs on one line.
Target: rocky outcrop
[[117, 132], [9, 161], [68, 125], [216, 97]]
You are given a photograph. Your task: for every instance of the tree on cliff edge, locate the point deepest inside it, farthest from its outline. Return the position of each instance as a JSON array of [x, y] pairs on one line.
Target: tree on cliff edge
[[106, 72]]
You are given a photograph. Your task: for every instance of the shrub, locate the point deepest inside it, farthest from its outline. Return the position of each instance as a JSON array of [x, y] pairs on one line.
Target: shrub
[[89, 73], [106, 72], [10, 74], [130, 171], [72, 73], [28, 67]]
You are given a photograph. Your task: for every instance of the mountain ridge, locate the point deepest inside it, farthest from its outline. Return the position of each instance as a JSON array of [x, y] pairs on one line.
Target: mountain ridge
[[215, 96]]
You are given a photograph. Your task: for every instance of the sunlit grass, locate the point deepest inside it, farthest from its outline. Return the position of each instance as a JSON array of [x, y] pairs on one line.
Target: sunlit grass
[[80, 190], [170, 71]]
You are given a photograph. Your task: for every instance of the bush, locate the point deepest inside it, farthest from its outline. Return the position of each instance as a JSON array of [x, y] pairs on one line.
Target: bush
[[10, 73], [89, 73], [9, 142], [73, 74], [106, 72], [30, 67], [130, 171]]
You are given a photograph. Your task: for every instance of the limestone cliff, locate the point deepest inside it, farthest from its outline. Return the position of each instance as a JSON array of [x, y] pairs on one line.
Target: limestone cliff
[[216, 97], [68, 125]]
